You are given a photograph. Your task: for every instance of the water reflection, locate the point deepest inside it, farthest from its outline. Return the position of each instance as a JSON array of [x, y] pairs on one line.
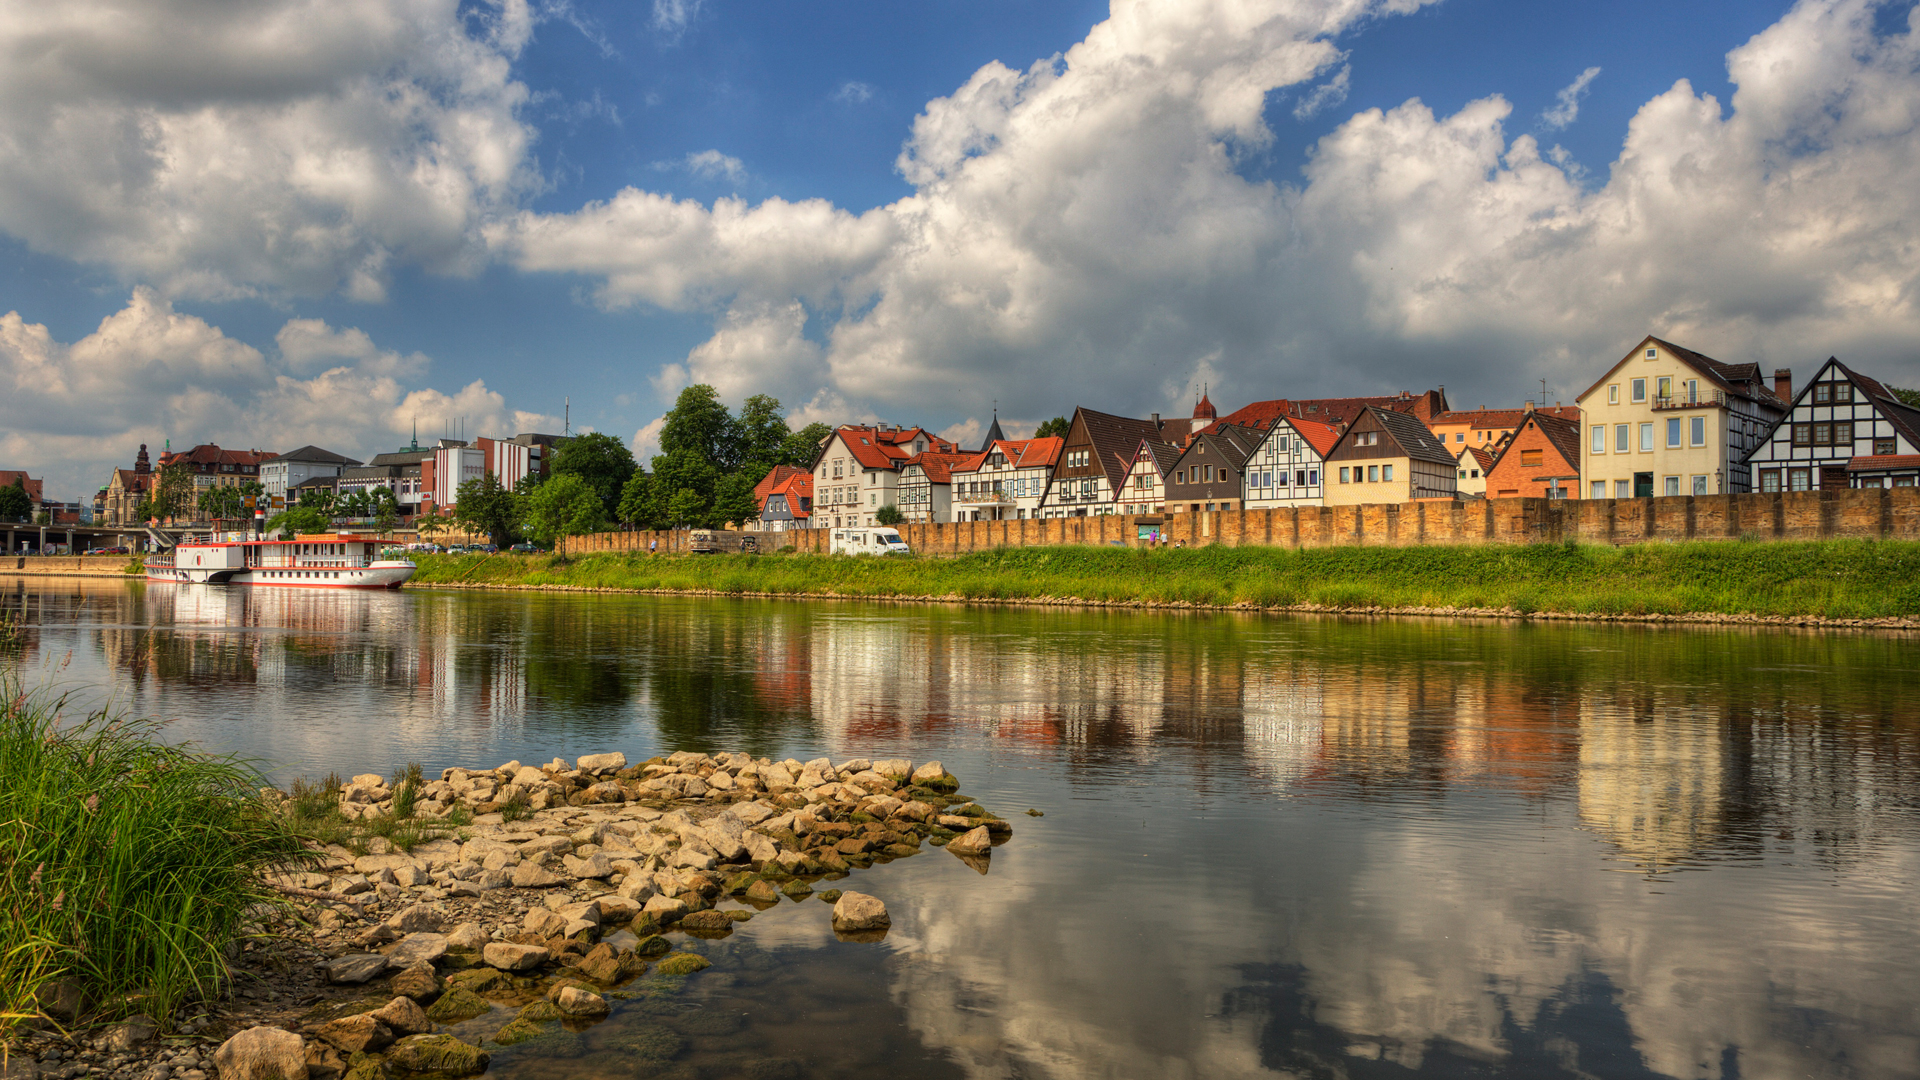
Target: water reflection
[[1309, 847]]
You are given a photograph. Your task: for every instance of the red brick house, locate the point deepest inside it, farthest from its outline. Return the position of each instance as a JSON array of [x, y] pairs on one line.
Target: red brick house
[[1541, 460]]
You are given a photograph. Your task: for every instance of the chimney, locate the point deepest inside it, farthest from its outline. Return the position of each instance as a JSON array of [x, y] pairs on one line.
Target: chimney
[[1156, 418], [1783, 383]]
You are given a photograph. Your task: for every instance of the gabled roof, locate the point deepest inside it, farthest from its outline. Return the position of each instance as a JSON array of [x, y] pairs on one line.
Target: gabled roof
[[1162, 454], [1481, 456], [210, 454], [1320, 436], [1504, 418], [884, 448], [314, 454], [771, 482], [32, 486], [1564, 435], [402, 457], [1114, 438], [798, 485], [1231, 446], [1036, 453], [131, 479], [940, 467], [1899, 413], [1412, 436], [1866, 463], [1739, 380], [1425, 405]]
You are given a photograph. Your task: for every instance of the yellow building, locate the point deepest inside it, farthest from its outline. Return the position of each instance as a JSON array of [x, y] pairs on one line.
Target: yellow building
[[1669, 421]]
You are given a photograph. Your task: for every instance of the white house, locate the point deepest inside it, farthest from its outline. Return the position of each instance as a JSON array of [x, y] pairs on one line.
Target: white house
[[1840, 418], [1289, 466], [858, 471], [295, 467], [1005, 482]]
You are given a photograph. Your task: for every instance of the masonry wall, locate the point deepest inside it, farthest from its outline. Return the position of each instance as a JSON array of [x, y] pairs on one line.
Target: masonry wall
[[1880, 513]]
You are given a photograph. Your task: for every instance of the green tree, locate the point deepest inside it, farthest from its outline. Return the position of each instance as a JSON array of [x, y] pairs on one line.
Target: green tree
[[637, 501], [1907, 397], [734, 501], [699, 424], [803, 445], [563, 506], [602, 461], [686, 508], [761, 434], [889, 515], [385, 509], [482, 506], [172, 493], [298, 519], [683, 483], [15, 503], [222, 504], [321, 499], [1059, 425]]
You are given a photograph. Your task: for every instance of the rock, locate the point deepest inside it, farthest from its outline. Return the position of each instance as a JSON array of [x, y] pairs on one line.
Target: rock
[[417, 949], [593, 866], [415, 918], [896, 769], [934, 776], [510, 957], [601, 762], [534, 876], [706, 922], [752, 813], [616, 909], [457, 1004], [976, 842], [262, 1053], [352, 1034], [543, 922], [858, 911], [763, 892], [442, 1054], [352, 884], [372, 865], [354, 968], [580, 1003], [131, 1032], [418, 982], [480, 980], [682, 963], [759, 848], [59, 998], [378, 934], [691, 859], [468, 936], [403, 1016], [664, 909], [831, 896], [545, 845], [20, 1067]]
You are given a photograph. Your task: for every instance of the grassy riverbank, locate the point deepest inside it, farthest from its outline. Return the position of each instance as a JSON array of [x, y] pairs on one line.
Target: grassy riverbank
[[126, 865], [1841, 579]]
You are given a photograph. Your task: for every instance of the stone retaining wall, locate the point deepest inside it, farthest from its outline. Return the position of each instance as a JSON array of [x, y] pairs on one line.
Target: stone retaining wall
[[1802, 515], [64, 565]]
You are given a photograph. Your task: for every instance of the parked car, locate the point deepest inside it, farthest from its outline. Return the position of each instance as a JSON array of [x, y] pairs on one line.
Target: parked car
[[110, 551], [527, 549]]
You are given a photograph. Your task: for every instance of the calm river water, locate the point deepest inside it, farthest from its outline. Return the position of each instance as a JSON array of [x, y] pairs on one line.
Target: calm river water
[[1303, 847]]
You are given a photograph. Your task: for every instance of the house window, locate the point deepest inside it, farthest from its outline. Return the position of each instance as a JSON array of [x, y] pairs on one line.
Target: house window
[[1697, 430], [1673, 485], [1803, 434], [1597, 490], [1599, 438], [1386, 473], [1459, 436], [1665, 386], [1842, 393], [1639, 390], [1621, 438], [1209, 474], [1343, 473], [1699, 485], [1799, 479], [1843, 433], [1823, 434], [1822, 393], [1883, 446], [1622, 489], [1646, 438], [1373, 474], [1673, 431], [1530, 458], [1769, 480], [1613, 394], [1653, 354]]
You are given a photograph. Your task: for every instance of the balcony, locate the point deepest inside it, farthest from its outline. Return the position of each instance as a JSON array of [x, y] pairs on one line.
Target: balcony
[[1715, 400], [994, 497]]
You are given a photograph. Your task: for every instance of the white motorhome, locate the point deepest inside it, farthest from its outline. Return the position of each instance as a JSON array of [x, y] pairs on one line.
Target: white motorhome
[[879, 541]]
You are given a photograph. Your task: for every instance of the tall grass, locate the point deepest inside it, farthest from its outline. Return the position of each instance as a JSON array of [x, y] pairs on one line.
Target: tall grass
[[126, 865], [1832, 578]]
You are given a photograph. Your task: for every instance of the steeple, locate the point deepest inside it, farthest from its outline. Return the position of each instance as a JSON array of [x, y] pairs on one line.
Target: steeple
[[1203, 409], [141, 464], [994, 434]]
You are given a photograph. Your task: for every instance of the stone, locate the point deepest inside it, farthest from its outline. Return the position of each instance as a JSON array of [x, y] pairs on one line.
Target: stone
[[545, 845], [354, 968], [691, 859], [706, 922], [529, 777], [418, 982], [417, 949], [480, 980], [531, 875], [418, 917], [352, 884], [580, 1003], [763, 892], [543, 922], [601, 762], [262, 1053], [751, 813], [468, 936], [759, 848], [457, 1004], [975, 842], [858, 911], [682, 963], [403, 1016], [378, 934], [896, 769], [352, 1034], [665, 909], [132, 1032], [935, 777], [615, 908], [372, 865], [510, 957], [441, 1054], [59, 998], [593, 866]]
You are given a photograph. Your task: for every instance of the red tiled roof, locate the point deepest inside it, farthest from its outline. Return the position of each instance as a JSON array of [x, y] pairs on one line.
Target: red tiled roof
[[940, 467], [877, 449], [1262, 414], [8, 476], [1035, 453], [1481, 457], [1884, 461], [772, 482], [1318, 435], [1503, 418], [797, 486]]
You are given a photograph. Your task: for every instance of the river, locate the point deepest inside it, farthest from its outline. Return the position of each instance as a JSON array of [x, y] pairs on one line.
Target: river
[[1313, 847]]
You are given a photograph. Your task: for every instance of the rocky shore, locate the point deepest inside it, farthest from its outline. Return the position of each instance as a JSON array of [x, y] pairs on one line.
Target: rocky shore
[[576, 891]]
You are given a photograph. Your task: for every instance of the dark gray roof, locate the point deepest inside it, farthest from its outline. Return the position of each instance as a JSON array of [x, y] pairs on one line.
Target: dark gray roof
[[403, 457], [316, 455], [1413, 436], [994, 435]]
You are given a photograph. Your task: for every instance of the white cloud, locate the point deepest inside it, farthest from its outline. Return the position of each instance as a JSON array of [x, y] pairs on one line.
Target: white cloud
[[307, 146], [712, 165], [1326, 95], [670, 17], [966, 434], [1564, 113], [149, 373], [853, 93], [1088, 215]]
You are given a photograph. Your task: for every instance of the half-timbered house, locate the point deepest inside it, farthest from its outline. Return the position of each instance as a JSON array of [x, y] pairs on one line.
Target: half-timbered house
[[1839, 417], [1289, 468], [1210, 473]]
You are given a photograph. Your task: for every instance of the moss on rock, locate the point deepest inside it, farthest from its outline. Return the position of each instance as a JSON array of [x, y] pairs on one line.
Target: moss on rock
[[442, 1055], [457, 1004], [682, 963]]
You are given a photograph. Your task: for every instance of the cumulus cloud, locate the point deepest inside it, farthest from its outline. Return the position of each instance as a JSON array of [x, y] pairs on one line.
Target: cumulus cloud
[[1089, 214], [1568, 108], [307, 147], [1326, 95], [149, 373], [708, 165]]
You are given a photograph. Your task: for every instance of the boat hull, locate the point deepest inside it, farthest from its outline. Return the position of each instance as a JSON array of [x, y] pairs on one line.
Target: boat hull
[[379, 575]]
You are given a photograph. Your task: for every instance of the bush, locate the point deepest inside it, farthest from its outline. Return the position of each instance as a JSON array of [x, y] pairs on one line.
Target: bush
[[126, 865]]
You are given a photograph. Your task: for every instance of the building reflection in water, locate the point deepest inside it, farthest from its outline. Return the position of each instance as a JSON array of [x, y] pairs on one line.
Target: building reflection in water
[[1357, 847]]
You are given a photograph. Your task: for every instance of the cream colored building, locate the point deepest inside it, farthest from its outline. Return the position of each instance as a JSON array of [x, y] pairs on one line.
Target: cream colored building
[[1668, 421]]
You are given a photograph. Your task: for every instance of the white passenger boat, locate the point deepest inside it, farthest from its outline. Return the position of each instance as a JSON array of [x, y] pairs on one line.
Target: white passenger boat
[[314, 561]]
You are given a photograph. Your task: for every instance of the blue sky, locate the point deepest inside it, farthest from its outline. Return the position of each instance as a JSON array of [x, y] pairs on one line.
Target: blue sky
[[1079, 254]]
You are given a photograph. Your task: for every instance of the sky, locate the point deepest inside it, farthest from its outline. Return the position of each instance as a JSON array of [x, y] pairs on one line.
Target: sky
[[293, 221]]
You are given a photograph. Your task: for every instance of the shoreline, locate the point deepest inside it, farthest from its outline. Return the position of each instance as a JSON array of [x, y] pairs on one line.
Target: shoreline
[[571, 889]]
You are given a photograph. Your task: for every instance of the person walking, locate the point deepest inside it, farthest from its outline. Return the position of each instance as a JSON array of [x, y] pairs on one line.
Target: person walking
[[653, 546]]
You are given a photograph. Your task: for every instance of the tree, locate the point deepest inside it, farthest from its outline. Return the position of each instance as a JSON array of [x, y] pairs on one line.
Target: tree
[[685, 508], [15, 503], [321, 499], [298, 519], [734, 500], [699, 424], [172, 493], [889, 515], [1907, 397], [483, 506], [761, 434], [1059, 425], [429, 525], [683, 488], [563, 506], [637, 501], [601, 460], [222, 504], [802, 446], [386, 509]]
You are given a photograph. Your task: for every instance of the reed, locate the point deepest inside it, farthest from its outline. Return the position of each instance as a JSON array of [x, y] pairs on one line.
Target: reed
[[127, 865], [1827, 578]]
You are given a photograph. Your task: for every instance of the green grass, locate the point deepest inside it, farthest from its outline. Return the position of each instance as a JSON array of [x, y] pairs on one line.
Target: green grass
[[1829, 578], [126, 865], [314, 813]]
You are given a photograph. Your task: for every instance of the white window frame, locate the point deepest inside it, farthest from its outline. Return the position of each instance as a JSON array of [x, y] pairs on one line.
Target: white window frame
[[1673, 432], [1599, 438], [1646, 437], [1623, 438], [1697, 431]]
